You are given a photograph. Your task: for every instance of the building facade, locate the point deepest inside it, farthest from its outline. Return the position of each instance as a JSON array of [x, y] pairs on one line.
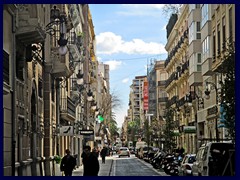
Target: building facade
[[50, 72]]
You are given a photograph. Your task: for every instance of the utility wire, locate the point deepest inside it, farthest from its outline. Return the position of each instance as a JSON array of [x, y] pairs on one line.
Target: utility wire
[[130, 59], [128, 75]]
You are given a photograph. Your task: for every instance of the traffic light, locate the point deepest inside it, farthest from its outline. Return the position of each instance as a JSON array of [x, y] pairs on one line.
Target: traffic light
[[222, 118], [101, 119]]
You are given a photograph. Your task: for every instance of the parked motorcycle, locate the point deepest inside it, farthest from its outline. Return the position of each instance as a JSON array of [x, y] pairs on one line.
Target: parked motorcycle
[[166, 163], [157, 159], [174, 168]]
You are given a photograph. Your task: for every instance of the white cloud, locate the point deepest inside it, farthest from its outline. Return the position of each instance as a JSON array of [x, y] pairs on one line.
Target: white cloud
[[113, 65], [164, 28], [153, 10], [125, 80], [109, 43], [145, 6]]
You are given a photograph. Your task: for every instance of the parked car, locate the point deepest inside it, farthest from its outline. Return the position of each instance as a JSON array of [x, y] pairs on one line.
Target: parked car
[[215, 159], [185, 168], [123, 151]]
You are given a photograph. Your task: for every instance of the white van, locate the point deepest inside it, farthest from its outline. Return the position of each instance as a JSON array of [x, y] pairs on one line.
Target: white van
[[213, 159]]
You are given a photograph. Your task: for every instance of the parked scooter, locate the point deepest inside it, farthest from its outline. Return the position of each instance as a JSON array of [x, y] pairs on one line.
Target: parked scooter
[[166, 164], [157, 159], [174, 167]]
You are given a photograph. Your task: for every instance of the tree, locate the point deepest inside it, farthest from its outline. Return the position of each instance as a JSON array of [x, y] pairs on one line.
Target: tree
[[168, 132], [227, 68], [170, 9], [133, 127], [113, 126], [155, 130], [109, 102]]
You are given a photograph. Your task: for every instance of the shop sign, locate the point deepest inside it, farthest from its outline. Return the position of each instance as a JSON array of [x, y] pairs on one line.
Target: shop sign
[[66, 131], [86, 132], [189, 129], [176, 133]]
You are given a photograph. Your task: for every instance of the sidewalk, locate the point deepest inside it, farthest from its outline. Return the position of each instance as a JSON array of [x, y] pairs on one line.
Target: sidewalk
[[104, 168]]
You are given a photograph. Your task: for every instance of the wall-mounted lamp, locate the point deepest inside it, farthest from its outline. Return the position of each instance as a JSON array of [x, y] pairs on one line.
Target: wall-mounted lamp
[[188, 99], [79, 78], [94, 106], [90, 95], [207, 93], [58, 23]]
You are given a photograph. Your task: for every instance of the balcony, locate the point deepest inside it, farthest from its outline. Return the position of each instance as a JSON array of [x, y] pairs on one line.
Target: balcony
[[74, 46], [172, 77], [60, 64], [31, 24], [163, 99], [181, 102], [195, 79], [172, 101], [207, 67], [162, 83], [75, 15], [182, 44], [67, 109]]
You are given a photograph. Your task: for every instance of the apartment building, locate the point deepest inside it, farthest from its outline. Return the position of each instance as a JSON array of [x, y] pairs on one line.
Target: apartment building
[[217, 36], [50, 72]]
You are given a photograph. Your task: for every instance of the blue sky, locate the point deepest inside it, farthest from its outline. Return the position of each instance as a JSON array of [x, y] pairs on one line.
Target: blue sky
[[128, 37]]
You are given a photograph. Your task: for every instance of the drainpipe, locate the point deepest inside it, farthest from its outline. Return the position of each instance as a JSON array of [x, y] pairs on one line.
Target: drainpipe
[[13, 97], [13, 129], [57, 115]]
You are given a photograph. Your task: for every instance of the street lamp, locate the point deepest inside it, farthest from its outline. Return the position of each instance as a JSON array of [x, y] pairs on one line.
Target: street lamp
[[207, 93], [57, 23], [148, 129]]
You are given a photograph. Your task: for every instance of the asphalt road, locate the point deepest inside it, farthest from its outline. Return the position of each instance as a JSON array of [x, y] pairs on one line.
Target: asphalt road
[[133, 166]]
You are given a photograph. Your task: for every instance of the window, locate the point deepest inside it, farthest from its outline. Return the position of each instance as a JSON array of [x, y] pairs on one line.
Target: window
[[52, 88], [223, 33], [199, 58], [199, 68], [205, 48], [19, 66], [5, 67], [218, 39], [198, 34], [40, 87], [214, 44], [191, 32], [204, 14]]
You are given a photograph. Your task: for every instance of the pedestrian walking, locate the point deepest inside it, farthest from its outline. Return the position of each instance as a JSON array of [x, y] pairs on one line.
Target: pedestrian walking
[[90, 162], [68, 163], [103, 154], [95, 152]]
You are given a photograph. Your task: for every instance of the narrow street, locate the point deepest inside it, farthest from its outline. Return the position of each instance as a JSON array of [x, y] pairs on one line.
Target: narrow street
[[123, 166], [155, 80], [133, 166]]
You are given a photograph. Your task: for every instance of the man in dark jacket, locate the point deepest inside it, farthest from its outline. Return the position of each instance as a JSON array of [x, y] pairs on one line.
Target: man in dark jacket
[[68, 163], [90, 162], [104, 154]]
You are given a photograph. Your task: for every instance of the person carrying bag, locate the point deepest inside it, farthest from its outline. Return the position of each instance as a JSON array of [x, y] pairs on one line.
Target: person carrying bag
[[68, 163]]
